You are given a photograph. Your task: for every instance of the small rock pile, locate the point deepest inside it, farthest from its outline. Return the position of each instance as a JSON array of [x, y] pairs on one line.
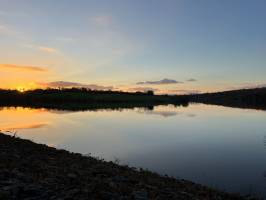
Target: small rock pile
[[34, 171]]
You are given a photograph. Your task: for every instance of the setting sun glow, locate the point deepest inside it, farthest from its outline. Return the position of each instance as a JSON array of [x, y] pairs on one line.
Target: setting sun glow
[[21, 89]]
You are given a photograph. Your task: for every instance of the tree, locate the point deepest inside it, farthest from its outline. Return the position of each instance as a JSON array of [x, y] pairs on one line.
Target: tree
[[150, 92]]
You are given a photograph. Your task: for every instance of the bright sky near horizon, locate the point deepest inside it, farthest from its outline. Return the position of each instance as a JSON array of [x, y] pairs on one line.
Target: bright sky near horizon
[[171, 46]]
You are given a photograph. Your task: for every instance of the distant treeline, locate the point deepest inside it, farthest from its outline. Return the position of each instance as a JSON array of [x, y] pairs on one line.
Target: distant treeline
[[245, 98], [81, 98]]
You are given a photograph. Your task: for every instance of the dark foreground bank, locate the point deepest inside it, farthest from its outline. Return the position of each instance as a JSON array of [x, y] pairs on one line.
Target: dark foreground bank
[[35, 171]]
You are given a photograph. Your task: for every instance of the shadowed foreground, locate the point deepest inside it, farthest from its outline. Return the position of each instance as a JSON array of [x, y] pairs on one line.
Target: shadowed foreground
[[35, 171]]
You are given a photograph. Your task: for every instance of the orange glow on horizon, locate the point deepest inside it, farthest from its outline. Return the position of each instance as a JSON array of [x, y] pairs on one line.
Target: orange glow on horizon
[[23, 85], [21, 89], [159, 91]]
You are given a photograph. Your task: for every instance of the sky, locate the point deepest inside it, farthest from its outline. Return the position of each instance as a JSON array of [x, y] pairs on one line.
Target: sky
[[169, 46]]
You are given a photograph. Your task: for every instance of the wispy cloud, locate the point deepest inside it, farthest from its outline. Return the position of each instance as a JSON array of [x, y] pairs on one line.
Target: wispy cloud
[[48, 49], [101, 20], [5, 29], [66, 84], [13, 14], [165, 81], [23, 67], [66, 39], [192, 80], [45, 49], [106, 36]]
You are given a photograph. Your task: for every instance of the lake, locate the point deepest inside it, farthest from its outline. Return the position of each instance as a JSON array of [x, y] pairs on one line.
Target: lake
[[221, 147]]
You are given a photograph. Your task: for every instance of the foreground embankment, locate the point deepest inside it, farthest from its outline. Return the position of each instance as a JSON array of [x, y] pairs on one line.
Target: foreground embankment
[[34, 171]]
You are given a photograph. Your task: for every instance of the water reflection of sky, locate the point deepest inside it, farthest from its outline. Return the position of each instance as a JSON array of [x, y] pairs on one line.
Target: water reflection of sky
[[218, 146]]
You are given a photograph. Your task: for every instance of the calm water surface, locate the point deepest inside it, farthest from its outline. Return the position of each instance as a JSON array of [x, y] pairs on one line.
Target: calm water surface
[[217, 146]]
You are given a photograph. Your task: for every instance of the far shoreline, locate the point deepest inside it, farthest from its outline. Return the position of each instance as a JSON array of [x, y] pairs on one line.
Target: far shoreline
[[85, 99]]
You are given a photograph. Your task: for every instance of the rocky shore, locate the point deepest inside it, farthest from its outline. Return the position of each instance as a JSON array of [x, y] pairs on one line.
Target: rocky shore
[[34, 171]]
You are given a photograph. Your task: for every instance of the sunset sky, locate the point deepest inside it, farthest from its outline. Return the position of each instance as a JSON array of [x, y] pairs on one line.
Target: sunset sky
[[171, 46]]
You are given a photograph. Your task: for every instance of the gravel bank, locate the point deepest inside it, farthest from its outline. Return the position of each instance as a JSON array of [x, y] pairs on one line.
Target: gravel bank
[[34, 171]]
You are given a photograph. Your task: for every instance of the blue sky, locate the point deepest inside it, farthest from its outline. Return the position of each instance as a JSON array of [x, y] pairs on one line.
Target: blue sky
[[220, 44]]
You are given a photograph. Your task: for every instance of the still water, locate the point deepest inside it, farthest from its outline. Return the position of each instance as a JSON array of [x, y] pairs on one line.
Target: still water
[[221, 147]]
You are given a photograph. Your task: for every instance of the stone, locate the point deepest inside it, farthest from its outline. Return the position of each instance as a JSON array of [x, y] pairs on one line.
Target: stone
[[71, 175], [140, 195]]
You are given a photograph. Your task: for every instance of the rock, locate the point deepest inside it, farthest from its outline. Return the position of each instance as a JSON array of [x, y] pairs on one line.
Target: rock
[[107, 196], [140, 195], [4, 195], [71, 175], [119, 179]]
